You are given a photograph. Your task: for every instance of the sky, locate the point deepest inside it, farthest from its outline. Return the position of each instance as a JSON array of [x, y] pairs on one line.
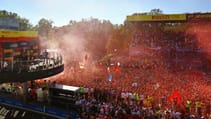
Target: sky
[[62, 11]]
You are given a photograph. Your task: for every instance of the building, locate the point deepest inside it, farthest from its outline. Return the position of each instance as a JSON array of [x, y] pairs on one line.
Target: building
[[18, 45], [21, 58]]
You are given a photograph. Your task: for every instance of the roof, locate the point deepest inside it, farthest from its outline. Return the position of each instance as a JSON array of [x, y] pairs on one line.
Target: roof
[[66, 87]]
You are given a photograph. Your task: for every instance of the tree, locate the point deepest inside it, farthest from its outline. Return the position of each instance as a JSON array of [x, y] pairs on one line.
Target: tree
[[24, 23], [86, 36], [155, 12], [44, 26]]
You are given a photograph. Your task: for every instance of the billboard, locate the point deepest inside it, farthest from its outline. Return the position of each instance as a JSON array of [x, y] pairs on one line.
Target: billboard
[[162, 17], [199, 16], [16, 34], [9, 23]]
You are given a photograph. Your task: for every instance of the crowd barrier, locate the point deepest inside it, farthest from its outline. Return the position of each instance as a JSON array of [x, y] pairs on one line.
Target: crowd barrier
[[42, 109]]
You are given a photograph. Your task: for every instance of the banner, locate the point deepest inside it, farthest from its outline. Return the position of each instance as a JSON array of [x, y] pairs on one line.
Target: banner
[[9, 23], [110, 77], [175, 97], [15, 34], [162, 17], [199, 16]]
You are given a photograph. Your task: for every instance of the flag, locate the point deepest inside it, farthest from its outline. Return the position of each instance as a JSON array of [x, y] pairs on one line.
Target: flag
[[110, 77], [86, 57], [116, 68], [156, 86], [81, 65], [175, 97], [135, 96], [108, 70], [81, 89]]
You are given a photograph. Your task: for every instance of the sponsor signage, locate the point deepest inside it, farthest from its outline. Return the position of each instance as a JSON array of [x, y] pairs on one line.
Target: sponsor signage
[[162, 17], [199, 16], [15, 34], [9, 23]]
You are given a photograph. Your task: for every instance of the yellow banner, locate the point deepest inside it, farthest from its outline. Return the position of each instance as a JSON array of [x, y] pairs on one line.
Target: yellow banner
[[8, 58], [17, 53], [15, 34], [163, 17], [199, 16], [8, 50]]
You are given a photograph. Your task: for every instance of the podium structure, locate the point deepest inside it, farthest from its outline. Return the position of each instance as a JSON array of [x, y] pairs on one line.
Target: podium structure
[[22, 59]]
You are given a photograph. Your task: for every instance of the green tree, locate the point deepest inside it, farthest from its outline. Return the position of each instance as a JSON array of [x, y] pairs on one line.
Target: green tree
[[155, 12], [44, 27], [88, 35], [24, 23]]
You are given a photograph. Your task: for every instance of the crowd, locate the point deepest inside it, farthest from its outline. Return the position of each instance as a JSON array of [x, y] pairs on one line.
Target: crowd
[[167, 79], [175, 63], [111, 104]]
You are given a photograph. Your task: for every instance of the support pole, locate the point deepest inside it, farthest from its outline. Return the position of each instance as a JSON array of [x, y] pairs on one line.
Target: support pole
[[25, 91]]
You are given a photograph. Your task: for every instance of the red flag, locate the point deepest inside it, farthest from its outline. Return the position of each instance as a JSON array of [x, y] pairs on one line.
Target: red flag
[[116, 68], [86, 57], [175, 97], [108, 70]]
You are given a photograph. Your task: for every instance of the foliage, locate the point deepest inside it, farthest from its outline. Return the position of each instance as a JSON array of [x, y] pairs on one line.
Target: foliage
[[96, 36], [23, 22], [155, 12], [44, 26], [87, 35]]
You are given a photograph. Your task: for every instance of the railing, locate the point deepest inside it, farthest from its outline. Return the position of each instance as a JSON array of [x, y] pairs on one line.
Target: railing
[[41, 63], [42, 111]]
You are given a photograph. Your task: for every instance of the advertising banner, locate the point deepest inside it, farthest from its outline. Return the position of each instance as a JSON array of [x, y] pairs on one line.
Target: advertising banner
[[162, 17], [15, 34], [199, 16], [9, 23]]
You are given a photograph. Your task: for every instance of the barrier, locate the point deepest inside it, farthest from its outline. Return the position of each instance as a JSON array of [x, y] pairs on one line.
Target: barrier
[[41, 109]]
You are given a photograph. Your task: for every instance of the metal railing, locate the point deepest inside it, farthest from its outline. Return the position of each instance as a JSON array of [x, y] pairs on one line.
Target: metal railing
[[40, 63]]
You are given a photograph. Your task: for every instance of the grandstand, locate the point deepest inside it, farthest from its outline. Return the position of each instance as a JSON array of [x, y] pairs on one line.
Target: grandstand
[[180, 38], [168, 59]]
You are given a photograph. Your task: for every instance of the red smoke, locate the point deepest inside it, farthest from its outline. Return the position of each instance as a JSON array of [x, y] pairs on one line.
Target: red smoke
[[202, 32]]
